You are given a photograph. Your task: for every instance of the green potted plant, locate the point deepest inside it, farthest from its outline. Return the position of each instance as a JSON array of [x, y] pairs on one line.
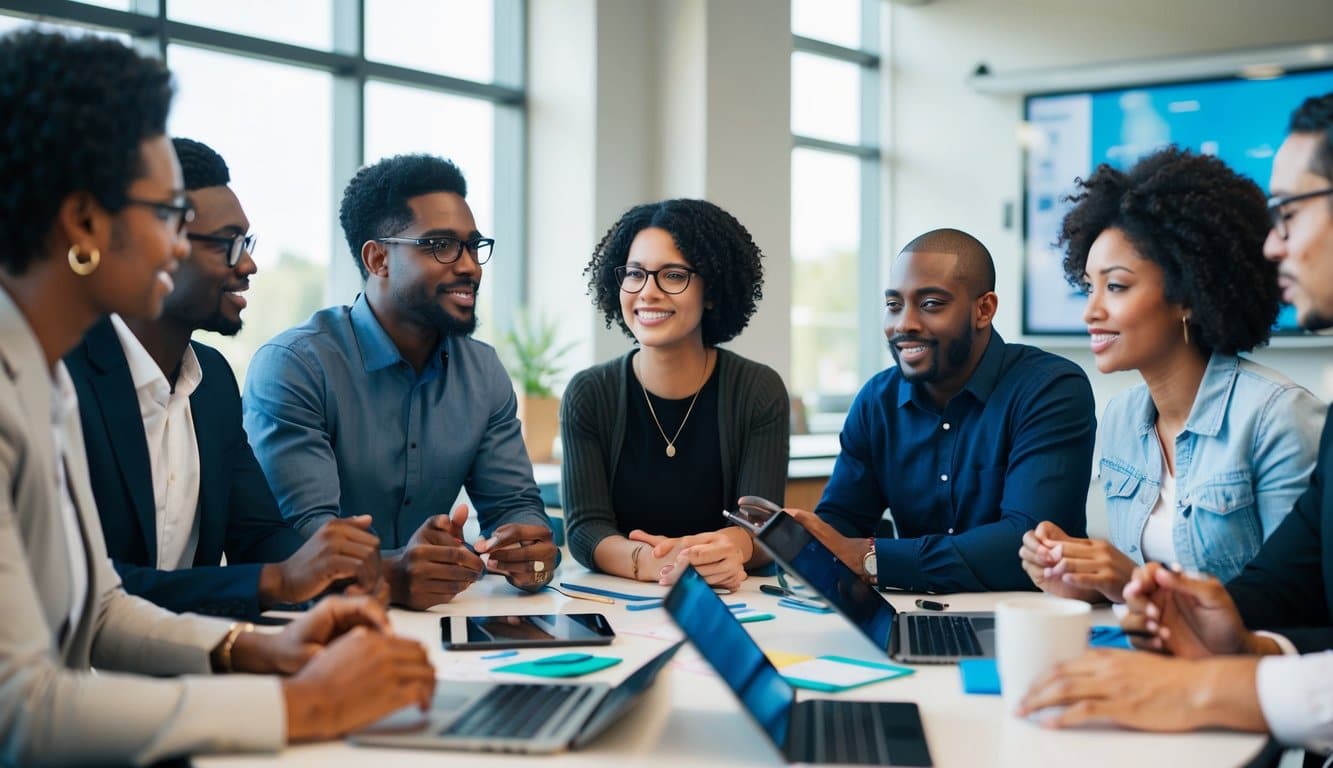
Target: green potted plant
[[533, 356]]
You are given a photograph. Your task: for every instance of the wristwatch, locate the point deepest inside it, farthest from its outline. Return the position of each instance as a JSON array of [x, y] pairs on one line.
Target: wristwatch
[[870, 564]]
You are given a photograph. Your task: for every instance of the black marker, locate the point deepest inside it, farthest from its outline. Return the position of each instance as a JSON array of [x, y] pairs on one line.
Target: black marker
[[769, 589], [930, 605]]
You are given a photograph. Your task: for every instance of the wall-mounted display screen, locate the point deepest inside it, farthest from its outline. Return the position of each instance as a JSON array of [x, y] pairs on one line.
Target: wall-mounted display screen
[[1069, 134]]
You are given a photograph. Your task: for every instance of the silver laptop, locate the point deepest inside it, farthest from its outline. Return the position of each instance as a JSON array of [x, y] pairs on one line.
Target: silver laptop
[[916, 637], [812, 731], [515, 717]]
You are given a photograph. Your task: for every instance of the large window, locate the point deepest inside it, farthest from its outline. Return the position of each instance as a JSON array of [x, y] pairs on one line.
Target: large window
[[835, 179], [298, 94]]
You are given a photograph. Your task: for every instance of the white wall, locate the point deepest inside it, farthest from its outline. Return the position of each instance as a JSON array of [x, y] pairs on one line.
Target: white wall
[[955, 160], [641, 100]]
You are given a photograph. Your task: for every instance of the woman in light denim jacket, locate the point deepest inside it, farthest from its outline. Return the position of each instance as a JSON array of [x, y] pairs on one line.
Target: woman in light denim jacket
[[1201, 462]]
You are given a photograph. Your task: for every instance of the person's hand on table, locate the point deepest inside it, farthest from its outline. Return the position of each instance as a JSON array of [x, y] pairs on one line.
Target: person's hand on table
[[435, 566], [287, 651], [524, 552], [359, 677], [342, 551], [718, 556], [1191, 616], [1066, 566], [1149, 692]]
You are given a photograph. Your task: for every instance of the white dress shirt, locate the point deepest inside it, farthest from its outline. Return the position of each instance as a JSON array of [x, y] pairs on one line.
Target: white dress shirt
[[1158, 541], [64, 403], [1296, 695], [173, 450]]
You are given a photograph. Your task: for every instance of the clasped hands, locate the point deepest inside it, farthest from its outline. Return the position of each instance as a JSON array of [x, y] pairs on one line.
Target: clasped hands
[[1066, 566], [718, 556], [436, 565]]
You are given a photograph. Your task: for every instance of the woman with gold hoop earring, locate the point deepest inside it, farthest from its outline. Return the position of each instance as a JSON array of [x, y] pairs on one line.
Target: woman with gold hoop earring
[[94, 223], [1201, 461], [659, 441]]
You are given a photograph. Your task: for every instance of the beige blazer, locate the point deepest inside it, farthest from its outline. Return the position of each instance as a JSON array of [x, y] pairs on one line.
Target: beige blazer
[[53, 709]]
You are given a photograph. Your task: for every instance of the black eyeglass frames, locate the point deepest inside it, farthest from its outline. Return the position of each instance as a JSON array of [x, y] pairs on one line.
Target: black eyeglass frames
[[181, 210], [1275, 205], [233, 246], [445, 249], [671, 280]]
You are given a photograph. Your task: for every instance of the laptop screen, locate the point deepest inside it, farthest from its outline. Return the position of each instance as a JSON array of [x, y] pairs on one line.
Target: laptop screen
[[725, 644], [802, 555]]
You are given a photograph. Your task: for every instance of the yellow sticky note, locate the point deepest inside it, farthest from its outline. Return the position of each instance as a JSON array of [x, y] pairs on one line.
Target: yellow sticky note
[[782, 659]]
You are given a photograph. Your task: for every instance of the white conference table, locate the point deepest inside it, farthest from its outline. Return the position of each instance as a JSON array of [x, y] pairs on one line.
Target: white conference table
[[690, 718]]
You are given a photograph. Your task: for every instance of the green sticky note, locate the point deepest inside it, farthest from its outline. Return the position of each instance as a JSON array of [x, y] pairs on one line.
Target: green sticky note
[[746, 618], [561, 665], [838, 673]]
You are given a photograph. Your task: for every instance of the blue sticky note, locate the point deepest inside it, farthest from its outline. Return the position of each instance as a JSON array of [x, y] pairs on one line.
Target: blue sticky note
[[1109, 636], [980, 676]]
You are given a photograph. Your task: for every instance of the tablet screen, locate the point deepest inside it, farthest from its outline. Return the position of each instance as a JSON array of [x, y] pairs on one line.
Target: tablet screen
[[525, 631]]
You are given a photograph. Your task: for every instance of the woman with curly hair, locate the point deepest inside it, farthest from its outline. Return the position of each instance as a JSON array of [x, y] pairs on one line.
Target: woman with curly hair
[[93, 222], [658, 442], [1203, 460]]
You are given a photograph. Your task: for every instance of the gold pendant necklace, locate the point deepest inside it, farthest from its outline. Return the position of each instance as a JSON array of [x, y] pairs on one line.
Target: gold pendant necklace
[[671, 441]]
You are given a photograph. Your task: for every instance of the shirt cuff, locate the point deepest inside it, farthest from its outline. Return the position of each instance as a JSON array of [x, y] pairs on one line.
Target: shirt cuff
[[1288, 649], [1296, 701], [898, 564]]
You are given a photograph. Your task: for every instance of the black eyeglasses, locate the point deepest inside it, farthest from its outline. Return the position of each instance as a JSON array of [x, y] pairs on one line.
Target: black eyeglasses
[[180, 210], [1275, 205], [445, 249], [233, 246], [669, 279]]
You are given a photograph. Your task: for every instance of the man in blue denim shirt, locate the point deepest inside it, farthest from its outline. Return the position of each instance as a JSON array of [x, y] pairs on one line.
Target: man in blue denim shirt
[[388, 407], [968, 442]]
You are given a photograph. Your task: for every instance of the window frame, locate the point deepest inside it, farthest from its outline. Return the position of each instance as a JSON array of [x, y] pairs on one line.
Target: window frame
[[871, 157], [151, 30]]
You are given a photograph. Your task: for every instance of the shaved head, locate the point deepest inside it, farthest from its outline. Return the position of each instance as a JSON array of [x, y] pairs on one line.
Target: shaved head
[[974, 266]]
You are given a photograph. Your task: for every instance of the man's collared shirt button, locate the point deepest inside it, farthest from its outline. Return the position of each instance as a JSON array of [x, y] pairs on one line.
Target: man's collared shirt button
[[945, 426], [944, 478], [950, 530]]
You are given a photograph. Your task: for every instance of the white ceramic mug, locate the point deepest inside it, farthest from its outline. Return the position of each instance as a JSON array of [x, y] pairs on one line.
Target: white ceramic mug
[[1032, 635]]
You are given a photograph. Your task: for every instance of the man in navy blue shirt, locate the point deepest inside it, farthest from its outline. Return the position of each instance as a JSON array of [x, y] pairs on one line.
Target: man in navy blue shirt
[[965, 444]]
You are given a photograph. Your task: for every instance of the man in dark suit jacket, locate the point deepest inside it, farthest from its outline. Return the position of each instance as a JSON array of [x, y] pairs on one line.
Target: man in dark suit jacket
[[269, 563], [1242, 642]]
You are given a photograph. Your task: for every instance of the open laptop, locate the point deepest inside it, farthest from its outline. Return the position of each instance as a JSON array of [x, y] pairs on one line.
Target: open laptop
[[515, 717], [910, 636], [814, 731]]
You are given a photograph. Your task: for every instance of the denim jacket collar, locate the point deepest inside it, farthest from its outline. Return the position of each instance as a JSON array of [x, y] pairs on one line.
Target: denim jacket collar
[[1210, 403]]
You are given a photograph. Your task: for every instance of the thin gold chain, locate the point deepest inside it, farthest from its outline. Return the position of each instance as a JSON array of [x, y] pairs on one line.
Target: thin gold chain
[[671, 441]]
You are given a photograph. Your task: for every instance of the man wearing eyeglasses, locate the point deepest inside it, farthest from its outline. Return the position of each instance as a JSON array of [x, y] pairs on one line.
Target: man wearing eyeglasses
[[388, 407], [176, 483], [1230, 674]]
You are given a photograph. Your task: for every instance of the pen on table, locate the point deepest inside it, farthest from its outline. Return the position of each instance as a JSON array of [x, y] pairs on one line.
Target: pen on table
[[500, 655]]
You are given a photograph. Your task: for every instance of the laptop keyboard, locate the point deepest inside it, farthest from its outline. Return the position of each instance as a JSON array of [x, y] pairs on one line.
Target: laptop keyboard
[[942, 635], [516, 711], [843, 732]]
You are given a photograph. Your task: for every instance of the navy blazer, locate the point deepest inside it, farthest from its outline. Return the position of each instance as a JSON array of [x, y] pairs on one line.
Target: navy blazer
[[1288, 586], [237, 512]]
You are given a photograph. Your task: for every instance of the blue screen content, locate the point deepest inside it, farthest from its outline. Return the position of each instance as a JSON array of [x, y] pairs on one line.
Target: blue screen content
[[810, 561], [1243, 122], [724, 644]]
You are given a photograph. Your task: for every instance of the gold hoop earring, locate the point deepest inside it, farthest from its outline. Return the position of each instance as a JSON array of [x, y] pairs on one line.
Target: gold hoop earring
[[81, 267], [1185, 325]]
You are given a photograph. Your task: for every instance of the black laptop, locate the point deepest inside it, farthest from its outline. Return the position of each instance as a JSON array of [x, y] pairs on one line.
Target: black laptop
[[914, 637], [815, 731]]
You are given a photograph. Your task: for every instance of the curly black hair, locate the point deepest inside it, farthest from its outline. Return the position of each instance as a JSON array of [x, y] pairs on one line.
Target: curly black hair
[[201, 165], [76, 111], [375, 201], [716, 245], [1203, 224], [1315, 115]]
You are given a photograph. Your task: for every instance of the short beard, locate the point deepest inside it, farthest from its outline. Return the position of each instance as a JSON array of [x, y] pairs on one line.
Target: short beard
[[426, 307], [955, 354], [221, 324]]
